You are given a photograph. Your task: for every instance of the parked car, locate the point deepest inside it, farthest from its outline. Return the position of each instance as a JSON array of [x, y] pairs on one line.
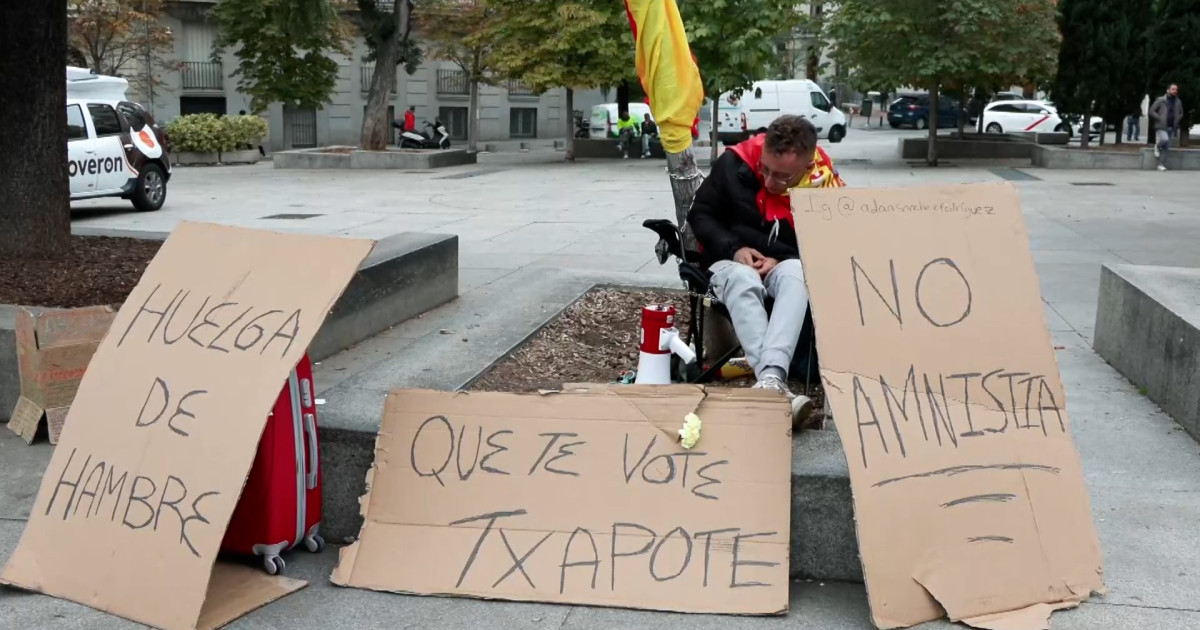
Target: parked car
[[1033, 116], [912, 110], [114, 146], [765, 101], [1012, 115], [1007, 96]]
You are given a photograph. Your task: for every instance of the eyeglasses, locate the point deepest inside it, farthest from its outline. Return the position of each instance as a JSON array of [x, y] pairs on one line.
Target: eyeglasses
[[784, 179]]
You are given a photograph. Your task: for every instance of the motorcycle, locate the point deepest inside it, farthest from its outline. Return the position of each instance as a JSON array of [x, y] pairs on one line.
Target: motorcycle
[[582, 125], [436, 136]]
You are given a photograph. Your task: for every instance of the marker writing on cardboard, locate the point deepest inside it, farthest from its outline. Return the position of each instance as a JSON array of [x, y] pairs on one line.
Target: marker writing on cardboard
[[146, 500], [436, 443], [936, 418], [215, 324], [847, 206], [946, 418], [669, 556], [429, 458]]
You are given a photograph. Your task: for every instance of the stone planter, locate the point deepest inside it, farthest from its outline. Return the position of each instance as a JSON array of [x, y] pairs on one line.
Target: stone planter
[[248, 156], [189, 158], [337, 157]]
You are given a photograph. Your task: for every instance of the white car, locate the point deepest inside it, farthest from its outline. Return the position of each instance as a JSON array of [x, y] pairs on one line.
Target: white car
[[1017, 116], [114, 146], [1014, 116]]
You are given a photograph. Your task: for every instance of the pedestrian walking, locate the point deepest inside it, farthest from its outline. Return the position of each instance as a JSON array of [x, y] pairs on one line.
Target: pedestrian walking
[[1167, 113], [1133, 126]]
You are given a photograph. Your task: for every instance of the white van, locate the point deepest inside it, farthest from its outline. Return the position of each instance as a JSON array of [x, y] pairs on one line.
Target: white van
[[767, 100], [604, 119]]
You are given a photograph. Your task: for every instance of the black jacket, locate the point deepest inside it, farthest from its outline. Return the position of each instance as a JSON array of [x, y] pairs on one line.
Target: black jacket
[[725, 216]]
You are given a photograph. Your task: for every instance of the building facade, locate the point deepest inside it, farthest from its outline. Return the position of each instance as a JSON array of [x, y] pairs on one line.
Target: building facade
[[195, 83]]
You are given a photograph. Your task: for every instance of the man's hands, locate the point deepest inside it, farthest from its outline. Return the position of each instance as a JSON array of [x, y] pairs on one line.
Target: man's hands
[[755, 260], [748, 256]]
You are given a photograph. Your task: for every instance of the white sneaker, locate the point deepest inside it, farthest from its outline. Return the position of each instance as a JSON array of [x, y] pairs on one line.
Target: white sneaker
[[801, 405], [1161, 167]]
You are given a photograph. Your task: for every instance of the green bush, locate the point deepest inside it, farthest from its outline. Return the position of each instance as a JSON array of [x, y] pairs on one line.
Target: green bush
[[199, 133], [209, 133], [246, 130]]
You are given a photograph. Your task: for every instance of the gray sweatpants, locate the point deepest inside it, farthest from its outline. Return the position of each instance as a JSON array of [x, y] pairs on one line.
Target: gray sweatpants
[[768, 342]]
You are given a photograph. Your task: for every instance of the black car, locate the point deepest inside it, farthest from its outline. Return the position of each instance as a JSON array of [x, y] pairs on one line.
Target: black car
[[913, 110]]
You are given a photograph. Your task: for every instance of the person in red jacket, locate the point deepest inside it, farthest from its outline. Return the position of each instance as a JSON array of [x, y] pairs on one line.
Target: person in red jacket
[[742, 219], [410, 118]]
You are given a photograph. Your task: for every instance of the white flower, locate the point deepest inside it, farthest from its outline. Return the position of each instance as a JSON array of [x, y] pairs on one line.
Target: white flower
[[690, 433]]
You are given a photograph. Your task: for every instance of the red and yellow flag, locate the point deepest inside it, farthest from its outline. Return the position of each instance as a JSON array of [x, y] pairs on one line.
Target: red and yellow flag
[[667, 70]]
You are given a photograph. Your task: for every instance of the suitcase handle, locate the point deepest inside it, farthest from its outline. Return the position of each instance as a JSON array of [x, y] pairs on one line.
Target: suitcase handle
[[310, 429]]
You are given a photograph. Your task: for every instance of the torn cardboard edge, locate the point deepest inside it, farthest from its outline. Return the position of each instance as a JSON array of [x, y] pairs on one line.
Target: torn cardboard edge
[[243, 588], [1035, 617]]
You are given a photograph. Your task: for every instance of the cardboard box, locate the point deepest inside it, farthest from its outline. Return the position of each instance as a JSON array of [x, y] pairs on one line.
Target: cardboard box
[[54, 348]]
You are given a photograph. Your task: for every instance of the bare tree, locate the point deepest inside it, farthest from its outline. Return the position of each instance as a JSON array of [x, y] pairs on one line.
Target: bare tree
[[122, 38]]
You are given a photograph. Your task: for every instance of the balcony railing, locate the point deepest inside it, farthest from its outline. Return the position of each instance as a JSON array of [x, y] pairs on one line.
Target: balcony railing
[[203, 75], [366, 74], [516, 88], [452, 82]]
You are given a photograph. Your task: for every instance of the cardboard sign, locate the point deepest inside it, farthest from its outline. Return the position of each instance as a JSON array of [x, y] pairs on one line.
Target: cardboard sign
[[53, 350], [583, 497], [939, 367], [159, 441]]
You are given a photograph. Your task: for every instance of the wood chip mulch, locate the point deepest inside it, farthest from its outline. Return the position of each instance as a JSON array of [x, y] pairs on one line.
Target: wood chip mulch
[[97, 271], [594, 341]]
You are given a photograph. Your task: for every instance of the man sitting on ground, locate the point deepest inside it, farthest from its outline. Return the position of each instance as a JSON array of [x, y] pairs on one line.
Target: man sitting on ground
[[742, 218]]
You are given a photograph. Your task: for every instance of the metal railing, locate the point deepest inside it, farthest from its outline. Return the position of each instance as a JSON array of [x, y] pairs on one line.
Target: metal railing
[[452, 82], [203, 75], [366, 74], [516, 88]]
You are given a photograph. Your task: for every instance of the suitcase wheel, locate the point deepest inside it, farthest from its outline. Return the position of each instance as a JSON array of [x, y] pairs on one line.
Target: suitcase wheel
[[314, 543], [274, 564]]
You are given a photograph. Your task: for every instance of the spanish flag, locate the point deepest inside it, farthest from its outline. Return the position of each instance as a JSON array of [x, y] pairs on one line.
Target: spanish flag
[[667, 70]]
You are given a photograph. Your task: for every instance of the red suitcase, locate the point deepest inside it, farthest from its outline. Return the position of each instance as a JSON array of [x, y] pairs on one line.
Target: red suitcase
[[280, 507]]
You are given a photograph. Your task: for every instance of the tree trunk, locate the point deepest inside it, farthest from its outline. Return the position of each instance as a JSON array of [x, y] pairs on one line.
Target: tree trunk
[[716, 107], [473, 118], [685, 180], [622, 97], [931, 157], [383, 83], [1122, 126], [35, 210], [1086, 128], [571, 125], [963, 114]]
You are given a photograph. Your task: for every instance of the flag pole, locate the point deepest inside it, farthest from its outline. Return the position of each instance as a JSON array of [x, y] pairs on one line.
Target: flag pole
[[671, 80]]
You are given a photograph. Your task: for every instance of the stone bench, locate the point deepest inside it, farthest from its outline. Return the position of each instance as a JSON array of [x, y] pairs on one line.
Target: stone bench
[[1148, 328], [1098, 158], [607, 148]]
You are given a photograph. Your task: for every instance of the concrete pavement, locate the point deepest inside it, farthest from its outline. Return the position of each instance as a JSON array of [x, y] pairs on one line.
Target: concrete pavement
[[526, 217]]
